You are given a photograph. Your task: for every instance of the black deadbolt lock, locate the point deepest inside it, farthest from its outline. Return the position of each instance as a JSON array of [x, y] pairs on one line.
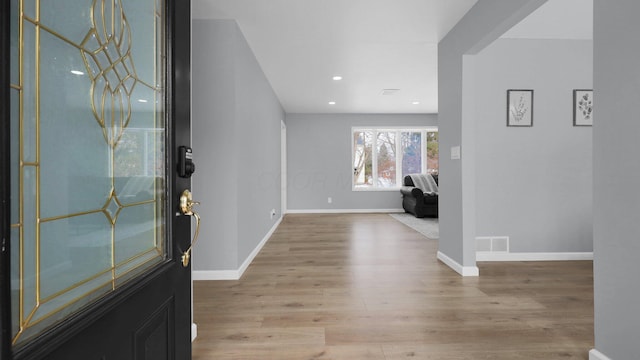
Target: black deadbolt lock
[[186, 167]]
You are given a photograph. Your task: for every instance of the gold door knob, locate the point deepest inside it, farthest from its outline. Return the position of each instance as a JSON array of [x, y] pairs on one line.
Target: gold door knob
[[186, 207]]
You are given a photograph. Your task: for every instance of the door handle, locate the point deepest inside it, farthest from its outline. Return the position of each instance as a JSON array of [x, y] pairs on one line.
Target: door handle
[[186, 207]]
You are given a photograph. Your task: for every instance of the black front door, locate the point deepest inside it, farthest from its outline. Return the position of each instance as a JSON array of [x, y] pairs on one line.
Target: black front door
[[95, 104]]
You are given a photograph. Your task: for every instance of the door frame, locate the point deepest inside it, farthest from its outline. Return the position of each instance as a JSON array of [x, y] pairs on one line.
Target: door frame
[[283, 167], [5, 205], [178, 107]]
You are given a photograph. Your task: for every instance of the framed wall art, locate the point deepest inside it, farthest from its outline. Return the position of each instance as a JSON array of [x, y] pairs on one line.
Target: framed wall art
[[582, 107], [519, 107]]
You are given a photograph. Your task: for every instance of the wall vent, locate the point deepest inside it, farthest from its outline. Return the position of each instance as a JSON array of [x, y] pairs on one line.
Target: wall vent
[[492, 244]]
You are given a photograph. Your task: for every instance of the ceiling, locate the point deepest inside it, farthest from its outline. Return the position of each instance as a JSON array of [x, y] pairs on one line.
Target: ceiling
[[372, 44]]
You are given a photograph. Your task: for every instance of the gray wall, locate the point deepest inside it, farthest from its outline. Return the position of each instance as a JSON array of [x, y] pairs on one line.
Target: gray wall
[[616, 178], [259, 117], [534, 184], [236, 144], [319, 161], [485, 22]]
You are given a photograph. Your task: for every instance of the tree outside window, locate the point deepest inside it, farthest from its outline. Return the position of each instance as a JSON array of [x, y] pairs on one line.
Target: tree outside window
[[382, 157]]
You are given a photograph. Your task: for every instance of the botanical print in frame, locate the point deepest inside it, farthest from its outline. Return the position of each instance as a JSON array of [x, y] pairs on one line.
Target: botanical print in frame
[[582, 107], [519, 107]]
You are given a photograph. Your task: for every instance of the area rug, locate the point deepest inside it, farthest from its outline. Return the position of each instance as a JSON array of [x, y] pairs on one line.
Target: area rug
[[426, 226]]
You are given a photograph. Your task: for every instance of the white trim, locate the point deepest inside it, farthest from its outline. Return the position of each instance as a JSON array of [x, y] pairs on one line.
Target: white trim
[[343, 211], [597, 355], [257, 249], [369, 188], [429, 128], [194, 331], [560, 256], [462, 270], [283, 167], [236, 274], [216, 275]]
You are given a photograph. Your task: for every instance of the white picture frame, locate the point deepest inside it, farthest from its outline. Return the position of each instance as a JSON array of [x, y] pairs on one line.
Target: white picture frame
[[519, 108], [583, 107]]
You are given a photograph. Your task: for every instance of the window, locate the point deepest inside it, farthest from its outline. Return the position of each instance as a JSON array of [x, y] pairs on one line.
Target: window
[[382, 157]]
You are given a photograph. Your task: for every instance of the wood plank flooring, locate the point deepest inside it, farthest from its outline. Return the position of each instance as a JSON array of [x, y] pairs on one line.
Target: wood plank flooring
[[365, 286]]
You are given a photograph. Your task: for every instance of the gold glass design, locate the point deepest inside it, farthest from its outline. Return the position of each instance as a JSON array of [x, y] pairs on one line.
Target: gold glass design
[[88, 202], [106, 51]]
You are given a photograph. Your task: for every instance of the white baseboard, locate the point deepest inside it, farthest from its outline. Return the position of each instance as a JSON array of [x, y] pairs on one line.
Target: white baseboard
[[462, 270], [216, 275], [194, 331], [236, 274], [508, 256], [343, 211], [597, 355], [257, 249]]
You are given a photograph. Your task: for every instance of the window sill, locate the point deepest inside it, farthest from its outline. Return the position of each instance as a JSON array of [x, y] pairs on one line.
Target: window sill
[[375, 189]]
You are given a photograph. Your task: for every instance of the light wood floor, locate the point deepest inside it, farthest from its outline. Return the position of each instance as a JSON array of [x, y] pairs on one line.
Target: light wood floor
[[365, 286]]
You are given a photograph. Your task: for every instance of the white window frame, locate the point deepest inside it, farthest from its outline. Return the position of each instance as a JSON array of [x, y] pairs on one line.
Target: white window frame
[[397, 129]]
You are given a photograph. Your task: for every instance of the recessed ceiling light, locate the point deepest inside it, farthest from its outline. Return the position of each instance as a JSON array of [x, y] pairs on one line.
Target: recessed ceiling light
[[337, 78], [142, 101], [416, 103], [332, 102], [77, 72]]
